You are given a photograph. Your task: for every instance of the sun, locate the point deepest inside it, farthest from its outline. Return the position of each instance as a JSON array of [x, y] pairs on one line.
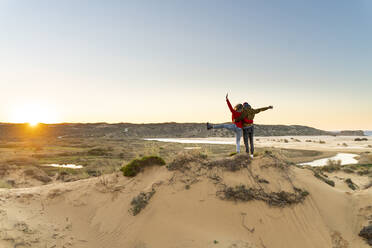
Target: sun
[[33, 123], [33, 114]]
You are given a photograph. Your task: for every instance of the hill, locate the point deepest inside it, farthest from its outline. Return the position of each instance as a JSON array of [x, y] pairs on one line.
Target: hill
[[158, 130], [192, 202]]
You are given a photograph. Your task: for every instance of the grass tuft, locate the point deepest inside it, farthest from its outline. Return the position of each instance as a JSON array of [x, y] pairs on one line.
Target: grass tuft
[[137, 165]]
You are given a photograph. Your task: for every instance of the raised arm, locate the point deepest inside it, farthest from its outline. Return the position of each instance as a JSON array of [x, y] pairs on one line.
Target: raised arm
[[229, 104]]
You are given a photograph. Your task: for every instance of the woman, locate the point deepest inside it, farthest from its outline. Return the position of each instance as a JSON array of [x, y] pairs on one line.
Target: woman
[[236, 126]]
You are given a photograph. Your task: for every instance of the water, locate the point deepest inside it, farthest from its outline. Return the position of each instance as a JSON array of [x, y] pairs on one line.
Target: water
[[345, 158], [193, 141], [70, 166], [368, 132], [192, 148]]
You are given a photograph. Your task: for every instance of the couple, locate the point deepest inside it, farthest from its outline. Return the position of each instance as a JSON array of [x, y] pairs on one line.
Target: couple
[[242, 117]]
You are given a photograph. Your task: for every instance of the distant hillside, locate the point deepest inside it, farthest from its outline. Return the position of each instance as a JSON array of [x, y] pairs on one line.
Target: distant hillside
[[128, 130], [351, 133]]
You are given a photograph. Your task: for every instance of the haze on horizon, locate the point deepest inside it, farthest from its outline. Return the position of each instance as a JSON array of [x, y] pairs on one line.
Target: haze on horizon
[[174, 61]]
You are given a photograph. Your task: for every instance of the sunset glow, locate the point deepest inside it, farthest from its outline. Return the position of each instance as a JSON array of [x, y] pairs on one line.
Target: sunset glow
[[33, 114]]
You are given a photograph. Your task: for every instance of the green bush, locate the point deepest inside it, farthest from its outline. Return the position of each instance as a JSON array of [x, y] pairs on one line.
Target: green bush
[[136, 165]]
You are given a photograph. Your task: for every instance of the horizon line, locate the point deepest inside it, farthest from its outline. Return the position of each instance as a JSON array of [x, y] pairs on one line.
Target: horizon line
[[149, 123]]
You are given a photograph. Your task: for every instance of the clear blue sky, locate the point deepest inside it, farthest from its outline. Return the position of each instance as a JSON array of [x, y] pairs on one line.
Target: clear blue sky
[[157, 61]]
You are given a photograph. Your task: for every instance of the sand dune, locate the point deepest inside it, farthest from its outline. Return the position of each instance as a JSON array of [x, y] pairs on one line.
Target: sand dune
[[188, 208]]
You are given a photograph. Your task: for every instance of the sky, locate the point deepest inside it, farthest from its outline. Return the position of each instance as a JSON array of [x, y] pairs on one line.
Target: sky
[[174, 61]]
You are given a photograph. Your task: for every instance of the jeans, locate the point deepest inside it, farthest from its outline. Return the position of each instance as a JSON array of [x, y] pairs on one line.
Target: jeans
[[248, 134], [234, 128]]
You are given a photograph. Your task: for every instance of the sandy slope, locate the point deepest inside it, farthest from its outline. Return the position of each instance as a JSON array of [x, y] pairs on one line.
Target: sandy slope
[[94, 212]]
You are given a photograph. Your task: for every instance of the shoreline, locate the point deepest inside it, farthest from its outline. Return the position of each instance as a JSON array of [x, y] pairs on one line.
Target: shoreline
[[319, 143]]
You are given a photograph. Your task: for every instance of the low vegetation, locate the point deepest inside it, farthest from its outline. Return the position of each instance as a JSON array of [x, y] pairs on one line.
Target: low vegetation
[[140, 202], [364, 167], [332, 165], [351, 184], [231, 164], [323, 178], [360, 139], [99, 152], [277, 199], [366, 233], [37, 174], [182, 161], [137, 165]]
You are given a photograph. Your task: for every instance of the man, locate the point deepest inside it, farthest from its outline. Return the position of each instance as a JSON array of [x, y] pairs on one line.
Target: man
[[249, 113]]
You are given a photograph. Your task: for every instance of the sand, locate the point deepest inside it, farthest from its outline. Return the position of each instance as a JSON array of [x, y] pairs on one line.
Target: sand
[[95, 212]]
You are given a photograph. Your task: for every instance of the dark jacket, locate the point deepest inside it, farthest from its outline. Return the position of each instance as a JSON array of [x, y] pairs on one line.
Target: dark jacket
[[249, 113]]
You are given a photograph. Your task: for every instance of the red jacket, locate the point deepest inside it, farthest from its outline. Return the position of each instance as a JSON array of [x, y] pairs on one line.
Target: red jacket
[[236, 114]]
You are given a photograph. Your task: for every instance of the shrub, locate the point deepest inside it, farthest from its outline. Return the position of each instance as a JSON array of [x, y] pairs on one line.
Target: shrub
[[137, 165], [140, 202], [360, 139], [332, 165], [366, 233], [351, 184], [363, 172], [347, 170], [278, 199], [321, 142], [231, 164], [324, 179], [183, 160]]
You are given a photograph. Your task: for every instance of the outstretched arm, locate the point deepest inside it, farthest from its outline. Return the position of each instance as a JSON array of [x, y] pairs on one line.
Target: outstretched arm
[[262, 109]]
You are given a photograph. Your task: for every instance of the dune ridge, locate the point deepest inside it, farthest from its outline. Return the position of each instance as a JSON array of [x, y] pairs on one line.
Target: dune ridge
[[186, 208]]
